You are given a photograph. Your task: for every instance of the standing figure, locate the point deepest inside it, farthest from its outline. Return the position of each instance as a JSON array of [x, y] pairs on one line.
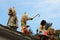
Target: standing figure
[[12, 21], [43, 32], [24, 20]]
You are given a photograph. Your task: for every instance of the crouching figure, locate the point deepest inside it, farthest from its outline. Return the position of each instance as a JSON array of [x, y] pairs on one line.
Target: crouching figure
[[52, 34], [12, 21]]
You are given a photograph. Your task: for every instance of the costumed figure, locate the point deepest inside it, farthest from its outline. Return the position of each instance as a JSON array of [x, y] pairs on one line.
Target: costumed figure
[[52, 34], [24, 20], [43, 32], [12, 21]]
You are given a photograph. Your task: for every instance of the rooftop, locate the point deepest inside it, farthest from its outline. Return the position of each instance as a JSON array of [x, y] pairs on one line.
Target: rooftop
[[11, 34]]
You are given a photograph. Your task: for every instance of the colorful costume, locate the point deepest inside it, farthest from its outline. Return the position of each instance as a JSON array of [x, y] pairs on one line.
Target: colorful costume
[[12, 22], [42, 27], [24, 19]]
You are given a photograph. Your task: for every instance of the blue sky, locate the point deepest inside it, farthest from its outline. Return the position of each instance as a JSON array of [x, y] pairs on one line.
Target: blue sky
[[48, 10]]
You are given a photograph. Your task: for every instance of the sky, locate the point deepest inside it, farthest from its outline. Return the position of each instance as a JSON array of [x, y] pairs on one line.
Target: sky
[[49, 10]]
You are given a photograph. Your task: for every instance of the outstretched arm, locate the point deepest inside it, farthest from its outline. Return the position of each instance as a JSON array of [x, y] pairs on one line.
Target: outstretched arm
[[29, 18]]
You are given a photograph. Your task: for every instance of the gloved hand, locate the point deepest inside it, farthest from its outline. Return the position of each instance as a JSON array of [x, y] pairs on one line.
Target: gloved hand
[[40, 31], [27, 26], [31, 18]]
